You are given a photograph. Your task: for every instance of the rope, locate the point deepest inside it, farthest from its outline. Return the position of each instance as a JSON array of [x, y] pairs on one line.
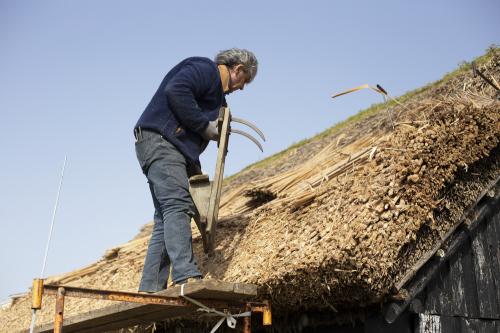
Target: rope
[[227, 316]]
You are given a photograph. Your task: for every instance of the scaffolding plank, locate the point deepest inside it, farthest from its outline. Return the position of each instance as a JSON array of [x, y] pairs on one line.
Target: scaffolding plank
[[121, 315], [156, 313], [213, 289]]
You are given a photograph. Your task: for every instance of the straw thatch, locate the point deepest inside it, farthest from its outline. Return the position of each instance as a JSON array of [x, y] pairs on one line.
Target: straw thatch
[[336, 222]]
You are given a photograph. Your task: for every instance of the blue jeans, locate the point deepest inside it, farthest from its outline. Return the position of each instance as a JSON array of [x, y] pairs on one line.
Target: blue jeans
[[171, 239]]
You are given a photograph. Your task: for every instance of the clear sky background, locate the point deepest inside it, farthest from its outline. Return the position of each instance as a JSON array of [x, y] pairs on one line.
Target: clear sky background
[[76, 75]]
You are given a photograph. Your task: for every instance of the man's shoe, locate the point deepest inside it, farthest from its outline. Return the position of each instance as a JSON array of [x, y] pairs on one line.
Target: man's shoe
[[189, 280]]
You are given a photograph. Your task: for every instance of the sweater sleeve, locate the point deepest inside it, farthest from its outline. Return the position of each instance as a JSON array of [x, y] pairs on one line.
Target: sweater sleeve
[[192, 81]]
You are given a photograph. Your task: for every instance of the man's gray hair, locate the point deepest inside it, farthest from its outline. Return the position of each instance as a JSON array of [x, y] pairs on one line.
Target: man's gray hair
[[236, 56]]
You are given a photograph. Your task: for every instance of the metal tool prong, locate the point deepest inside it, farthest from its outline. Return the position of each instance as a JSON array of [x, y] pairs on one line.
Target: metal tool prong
[[245, 134], [251, 125]]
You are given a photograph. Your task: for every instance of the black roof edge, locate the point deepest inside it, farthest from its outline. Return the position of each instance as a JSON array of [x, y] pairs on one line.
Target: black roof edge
[[482, 210]]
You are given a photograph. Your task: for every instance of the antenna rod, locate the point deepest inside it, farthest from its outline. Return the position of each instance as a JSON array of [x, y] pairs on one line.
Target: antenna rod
[[33, 316], [53, 219]]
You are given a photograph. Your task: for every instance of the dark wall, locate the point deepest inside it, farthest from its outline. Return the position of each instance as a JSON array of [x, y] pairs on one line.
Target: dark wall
[[328, 323], [468, 285]]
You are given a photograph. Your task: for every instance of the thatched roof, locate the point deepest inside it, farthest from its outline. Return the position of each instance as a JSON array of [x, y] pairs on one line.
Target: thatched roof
[[336, 222]]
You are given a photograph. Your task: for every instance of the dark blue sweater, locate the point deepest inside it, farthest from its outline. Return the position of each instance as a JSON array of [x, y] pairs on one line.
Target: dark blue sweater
[[189, 96]]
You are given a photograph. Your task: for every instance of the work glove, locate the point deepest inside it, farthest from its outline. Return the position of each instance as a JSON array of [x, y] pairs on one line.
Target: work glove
[[211, 132]]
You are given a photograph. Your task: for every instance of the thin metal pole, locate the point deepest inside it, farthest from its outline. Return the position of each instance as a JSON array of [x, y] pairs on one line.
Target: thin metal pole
[[53, 219], [33, 312], [33, 320]]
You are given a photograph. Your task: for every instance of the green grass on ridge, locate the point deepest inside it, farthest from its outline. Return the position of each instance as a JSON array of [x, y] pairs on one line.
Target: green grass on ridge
[[463, 68]]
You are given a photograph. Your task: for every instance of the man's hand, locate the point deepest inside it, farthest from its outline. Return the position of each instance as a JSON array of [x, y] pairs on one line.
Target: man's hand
[[211, 132]]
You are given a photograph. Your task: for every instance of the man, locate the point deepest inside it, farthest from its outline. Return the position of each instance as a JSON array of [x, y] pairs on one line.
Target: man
[[172, 132]]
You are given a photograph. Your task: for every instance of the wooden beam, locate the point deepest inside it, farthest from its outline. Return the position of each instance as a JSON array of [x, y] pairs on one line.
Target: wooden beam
[[213, 208]]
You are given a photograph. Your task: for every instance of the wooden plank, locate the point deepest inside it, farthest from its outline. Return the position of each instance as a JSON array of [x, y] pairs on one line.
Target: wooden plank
[[122, 314], [145, 319], [449, 324], [427, 323], [435, 290], [117, 316], [468, 325], [493, 235], [469, 278], [464, 325], [488, 307], [214, 289], [457, 286], [114, 312], [446, 297], [454, 293]]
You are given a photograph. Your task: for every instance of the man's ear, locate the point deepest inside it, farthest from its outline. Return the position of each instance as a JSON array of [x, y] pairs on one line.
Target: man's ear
[[238, 68]]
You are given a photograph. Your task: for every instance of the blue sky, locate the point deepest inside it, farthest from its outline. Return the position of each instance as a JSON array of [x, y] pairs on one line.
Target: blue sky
[[76, 75]]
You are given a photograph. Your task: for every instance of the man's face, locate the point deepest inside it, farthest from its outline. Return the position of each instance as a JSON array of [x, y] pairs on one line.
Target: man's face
[[238, 78]]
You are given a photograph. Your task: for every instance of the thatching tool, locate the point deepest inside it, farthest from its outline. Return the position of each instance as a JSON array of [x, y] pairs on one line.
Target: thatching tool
[[378, 88], [363, 86], [206, 193], [477, 72]]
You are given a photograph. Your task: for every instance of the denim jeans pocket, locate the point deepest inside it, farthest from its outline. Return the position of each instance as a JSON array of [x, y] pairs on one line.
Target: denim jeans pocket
[[143, 151]]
